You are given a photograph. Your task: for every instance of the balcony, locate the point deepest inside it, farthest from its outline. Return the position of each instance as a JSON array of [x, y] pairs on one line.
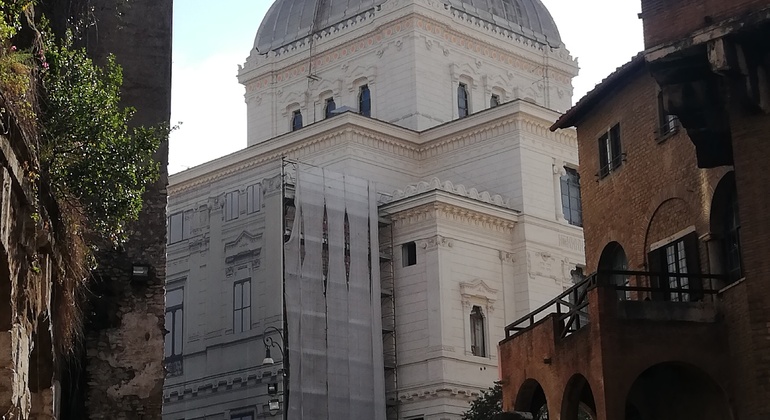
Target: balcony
[[589, 346]]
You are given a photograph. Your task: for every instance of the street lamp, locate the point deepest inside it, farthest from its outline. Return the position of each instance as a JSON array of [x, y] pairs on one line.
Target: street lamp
[[274, 405]]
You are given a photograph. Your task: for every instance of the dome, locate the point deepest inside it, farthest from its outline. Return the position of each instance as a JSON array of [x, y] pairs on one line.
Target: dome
[[290, 20]]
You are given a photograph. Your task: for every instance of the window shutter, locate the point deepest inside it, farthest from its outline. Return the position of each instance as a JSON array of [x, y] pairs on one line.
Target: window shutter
[[656, 265], [615, 146], [693, 265], [604, 168]]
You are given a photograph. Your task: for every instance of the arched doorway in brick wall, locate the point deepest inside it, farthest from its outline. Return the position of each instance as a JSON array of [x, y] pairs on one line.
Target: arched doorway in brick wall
[[676, 391], [614, 258], [578, 402], [531, 399], [725, 225]]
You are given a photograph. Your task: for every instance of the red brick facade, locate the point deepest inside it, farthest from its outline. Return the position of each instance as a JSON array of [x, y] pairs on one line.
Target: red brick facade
[[670, 20], [647, 191]]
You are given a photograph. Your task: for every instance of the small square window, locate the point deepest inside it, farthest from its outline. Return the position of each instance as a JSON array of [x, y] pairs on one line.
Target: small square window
[[409, 254]]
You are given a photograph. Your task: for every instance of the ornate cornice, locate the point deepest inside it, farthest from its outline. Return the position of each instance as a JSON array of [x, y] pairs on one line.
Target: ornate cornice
[[207, 386], [343, 50], [459, 189], [457, 214], [401, 143]]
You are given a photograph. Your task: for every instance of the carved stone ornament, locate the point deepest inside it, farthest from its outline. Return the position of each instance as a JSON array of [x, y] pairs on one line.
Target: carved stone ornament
[[478, 292]]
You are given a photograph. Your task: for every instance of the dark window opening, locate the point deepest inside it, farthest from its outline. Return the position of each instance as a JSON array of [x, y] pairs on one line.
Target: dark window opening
[[329, 108], [494, 101], [296, 120], [409, 254], [462, 100], [242, 306], [242, 416], [570, 197], [365, 101], [610, 152], [478, 340], [667, 122]]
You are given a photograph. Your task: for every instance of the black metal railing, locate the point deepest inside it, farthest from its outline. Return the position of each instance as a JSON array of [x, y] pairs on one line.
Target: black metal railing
[[571, 307]]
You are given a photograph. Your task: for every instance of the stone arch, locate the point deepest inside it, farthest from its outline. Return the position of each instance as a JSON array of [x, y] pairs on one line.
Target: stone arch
[[531, 399], [675, 391], [671, 194], [614, 258], [578, 402]]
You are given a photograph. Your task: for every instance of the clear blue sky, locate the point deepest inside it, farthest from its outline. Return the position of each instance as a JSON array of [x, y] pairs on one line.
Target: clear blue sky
[[212, 37]]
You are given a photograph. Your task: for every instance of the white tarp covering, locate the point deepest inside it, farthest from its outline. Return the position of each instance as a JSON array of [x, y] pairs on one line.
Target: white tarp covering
[[333, 300]]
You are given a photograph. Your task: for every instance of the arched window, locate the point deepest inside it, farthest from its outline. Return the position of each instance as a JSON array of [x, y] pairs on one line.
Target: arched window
[[329, 108], [725, 226], [365, 101], [462, 100], [296, 120], [614, 259], [478, 339]]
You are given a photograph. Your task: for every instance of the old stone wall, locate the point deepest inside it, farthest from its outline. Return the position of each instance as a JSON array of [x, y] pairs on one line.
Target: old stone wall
[[124, 334], [689, 15]]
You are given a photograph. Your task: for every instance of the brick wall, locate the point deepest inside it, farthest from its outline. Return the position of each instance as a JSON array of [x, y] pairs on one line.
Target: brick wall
[[658, 190], [669, 20]]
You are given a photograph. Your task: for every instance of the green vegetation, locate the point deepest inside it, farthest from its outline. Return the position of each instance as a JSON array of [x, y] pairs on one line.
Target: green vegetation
[[487, 405]]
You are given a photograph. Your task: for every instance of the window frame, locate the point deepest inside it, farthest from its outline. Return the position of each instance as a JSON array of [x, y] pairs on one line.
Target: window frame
[[611, 156], [478, 327], [668, 124], [329, 107], [254, 198], [243, 415], [172, 239], [409, 254], [232, 205], [494, 100], [463, 100], [243, 311], [679, 256], [296, 122], [569, 183], [176, 311], [365, 100]]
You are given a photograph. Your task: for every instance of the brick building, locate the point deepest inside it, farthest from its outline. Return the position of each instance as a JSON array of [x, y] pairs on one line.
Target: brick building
[[673, 324]]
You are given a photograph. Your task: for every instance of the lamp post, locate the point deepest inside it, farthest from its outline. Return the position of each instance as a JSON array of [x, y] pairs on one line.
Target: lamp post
[[274, 405]]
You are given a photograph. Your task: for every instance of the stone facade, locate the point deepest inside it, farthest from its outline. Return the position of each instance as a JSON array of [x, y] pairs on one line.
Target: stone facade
[[477, 200]]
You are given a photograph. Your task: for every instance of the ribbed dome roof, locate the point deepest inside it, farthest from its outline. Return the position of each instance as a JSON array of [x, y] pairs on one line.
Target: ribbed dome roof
[[290, 20]]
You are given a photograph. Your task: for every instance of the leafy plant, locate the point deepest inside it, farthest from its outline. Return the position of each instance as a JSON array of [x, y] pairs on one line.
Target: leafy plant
[[487, 405], [90, 154]]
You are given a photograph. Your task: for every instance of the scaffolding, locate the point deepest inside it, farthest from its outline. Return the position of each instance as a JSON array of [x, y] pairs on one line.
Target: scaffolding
[[388, 318]]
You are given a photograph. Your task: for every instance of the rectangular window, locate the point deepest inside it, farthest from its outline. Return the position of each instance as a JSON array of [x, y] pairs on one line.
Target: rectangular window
[[365, 101], [176, 227], [329, 108], [296, 120], [242, 416], [570, 197], [610, 151], [242, 306], [232, 205], [463, 108], [254, 198], [478, 339], [667, 123], [173, 341], [409, 254], [673, 263]]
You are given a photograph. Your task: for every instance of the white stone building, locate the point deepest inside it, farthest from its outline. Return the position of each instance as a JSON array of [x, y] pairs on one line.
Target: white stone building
[[443, 108]]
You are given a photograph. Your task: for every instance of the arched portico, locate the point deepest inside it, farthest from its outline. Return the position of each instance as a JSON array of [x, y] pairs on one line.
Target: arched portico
[[676, 391]]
